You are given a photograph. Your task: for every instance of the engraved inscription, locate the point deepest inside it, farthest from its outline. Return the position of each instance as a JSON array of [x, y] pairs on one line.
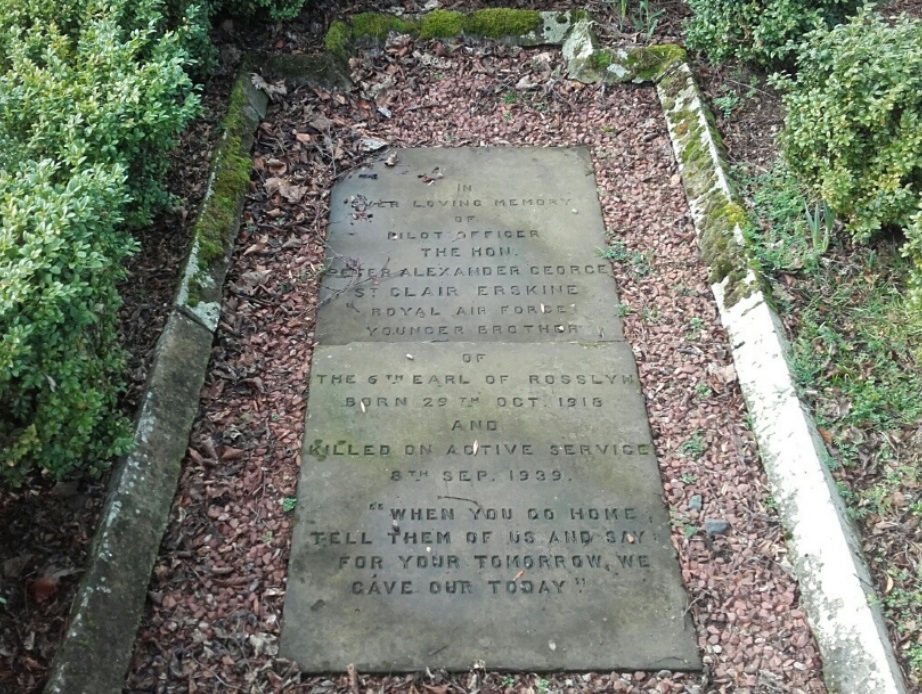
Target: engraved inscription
[[476, 441], [405, 271]]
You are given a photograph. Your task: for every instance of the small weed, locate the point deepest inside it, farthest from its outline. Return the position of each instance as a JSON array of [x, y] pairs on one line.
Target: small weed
[[695, 326], [542, 686], [649, 314], [820, 221], [727, 103], [642, 18], [312, 272], [640, 264], [289, 503], [637, 261], [694, 446], [703, 390], [623, 310], [621, 12], [616, 250], [688, 478], [778, 233], [509, 98]]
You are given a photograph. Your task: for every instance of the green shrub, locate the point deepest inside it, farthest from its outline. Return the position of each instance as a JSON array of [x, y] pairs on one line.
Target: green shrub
[[92, 96], [853, 130], [60, 362], [760, 32], [108, 95]]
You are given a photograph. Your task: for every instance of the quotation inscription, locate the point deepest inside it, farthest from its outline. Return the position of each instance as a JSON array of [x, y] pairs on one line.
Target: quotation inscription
[[473, 403]]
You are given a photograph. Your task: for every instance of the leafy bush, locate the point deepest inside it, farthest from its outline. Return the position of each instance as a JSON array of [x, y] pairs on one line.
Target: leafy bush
[[853, 130], [60, 363], [109, 94], [92, 97], [761, 32]]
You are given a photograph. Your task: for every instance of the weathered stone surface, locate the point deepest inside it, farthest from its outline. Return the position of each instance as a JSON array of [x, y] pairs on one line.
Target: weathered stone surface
[[497, 502], [96, 650], [472, 244]]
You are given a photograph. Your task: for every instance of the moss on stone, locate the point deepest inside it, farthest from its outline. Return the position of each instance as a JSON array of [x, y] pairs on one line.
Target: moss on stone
[[719, 213], [649, 63], [498, 22], [338, 39], [440, 24], [311, 69], [377, 25], [601, 59], [229, 181]]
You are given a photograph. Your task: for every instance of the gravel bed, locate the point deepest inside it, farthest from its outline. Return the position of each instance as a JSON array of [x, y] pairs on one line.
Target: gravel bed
[[215, 608]]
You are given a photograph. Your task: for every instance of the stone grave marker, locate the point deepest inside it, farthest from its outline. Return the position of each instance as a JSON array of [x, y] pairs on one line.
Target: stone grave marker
[[478, 477]]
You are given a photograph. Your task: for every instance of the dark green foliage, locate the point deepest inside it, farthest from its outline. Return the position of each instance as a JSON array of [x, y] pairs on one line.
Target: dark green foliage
[[60, 362], [853, 131], [92, 96], [760, 32]]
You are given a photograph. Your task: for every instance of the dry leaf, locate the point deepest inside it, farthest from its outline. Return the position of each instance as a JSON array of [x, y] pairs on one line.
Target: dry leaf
[[231, 453], [41, 590], [277, 166], [391, 160], [293, 193], [273, 185], [271, 90]]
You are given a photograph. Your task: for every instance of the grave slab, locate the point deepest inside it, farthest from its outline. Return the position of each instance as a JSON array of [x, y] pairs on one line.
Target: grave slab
[[470, 244], [495, 502]]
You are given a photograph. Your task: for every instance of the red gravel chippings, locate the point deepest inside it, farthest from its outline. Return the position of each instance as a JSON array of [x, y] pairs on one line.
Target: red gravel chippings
[[213, 619]]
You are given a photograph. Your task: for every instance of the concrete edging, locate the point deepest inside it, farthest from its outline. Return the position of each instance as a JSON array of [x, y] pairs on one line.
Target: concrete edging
[[94, 655], [835, 585]]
